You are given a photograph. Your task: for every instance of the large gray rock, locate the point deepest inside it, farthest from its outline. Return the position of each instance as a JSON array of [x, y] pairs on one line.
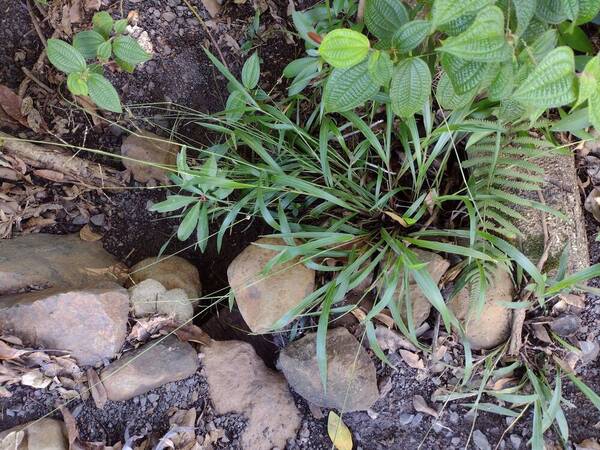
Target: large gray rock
[[239, 382], [146, 155], [264, 299], [46, 260], [492, 326], [421, 307], [173, 272], [149, 366], [351, 378], [43, 434], [89, 323]]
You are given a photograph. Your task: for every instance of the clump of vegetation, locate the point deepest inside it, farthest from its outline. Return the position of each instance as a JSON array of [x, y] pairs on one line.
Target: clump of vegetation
[[416, 129], [105, 41]]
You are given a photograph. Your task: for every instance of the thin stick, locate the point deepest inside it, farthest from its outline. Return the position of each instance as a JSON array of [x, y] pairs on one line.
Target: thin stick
[[35, 79], [36, 25]]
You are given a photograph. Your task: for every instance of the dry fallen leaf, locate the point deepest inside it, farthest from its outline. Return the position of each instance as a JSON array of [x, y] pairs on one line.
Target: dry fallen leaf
[[412, 359], [588, 444], [392, 340], [11, 104], [35, 379], [421, 406], [396, 218], [97, 388], [7, 352], [12, 440], [189, 333], [338, 432], [86, 234]]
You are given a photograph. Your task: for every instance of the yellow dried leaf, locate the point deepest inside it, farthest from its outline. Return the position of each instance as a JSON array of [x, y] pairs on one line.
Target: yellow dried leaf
[[397, 218], [86, 234], [338, 432]]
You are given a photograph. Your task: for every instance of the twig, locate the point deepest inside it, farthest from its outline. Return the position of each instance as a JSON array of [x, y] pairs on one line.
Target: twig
[[36, 25], [516, 336], [40, 83], [360, 13]]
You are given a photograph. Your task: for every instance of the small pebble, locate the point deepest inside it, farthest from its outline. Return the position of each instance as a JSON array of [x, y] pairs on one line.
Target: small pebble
[[566, 325], [169, 16], [515, 440], [481, 441]]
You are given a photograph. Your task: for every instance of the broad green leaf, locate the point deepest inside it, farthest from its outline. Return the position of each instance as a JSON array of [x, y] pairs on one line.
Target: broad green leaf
[[544, 44], [589, 81], [124, 65], [464, 75], [251, 71], [483, 41], [571, 9], [344, 48], [77, 84], [103, 23], [503, 83], [103, 93], [535, 28], [189, 222], [349, 88], [235, 106], [551, 11], [380, 67], [551, 83], [127, 49], [65, 57], [120, 26], [575, 38], [338, 432], [410, 88], [87, 43], [202, 230], [447, 97], [104, 51], [444, 11], [594, 109], [384, 17], [588, 9], [524, 10], [457, 26], [95, 68], [294, 68], [410, 35]]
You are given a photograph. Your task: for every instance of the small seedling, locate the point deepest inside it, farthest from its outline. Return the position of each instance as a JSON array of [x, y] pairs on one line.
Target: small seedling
[[99, 45]]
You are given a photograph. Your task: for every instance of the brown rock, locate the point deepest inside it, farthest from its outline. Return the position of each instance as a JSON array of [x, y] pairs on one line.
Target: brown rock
[[46, 260], [89, 323], [351, 378], [240, 382], [421, 307], [144, 152], [43, 434], [264, 302], [149, 366], [172, 272], [143, 297], [492, 326]]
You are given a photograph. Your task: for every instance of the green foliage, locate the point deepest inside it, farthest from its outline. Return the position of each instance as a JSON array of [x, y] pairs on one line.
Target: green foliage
[[344, 48], [88, 79], [410, 88], [352, 169]]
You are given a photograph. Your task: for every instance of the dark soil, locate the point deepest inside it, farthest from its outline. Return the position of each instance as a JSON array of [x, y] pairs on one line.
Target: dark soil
[[181, 73]]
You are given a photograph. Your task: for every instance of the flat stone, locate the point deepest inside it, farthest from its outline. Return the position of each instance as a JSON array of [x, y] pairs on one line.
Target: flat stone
[[172, 272], [492, 326], [46, 260], [562, 194], [239, 382], [421, 307], [143, 297], [43, 434], [144, 152], [153, 364], [89, 323], [175, 303], [351, 377], [264, 299]]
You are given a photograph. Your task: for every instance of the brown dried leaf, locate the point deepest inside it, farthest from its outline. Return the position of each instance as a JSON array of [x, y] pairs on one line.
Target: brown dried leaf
[[51, 175], [86, 234], [189, 333], [35, 379], [412, 359], [11, 104], [588, 444], [391, 340], [97, 388], [421, 405], [70, 424], [7, 352], [541, 333]]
